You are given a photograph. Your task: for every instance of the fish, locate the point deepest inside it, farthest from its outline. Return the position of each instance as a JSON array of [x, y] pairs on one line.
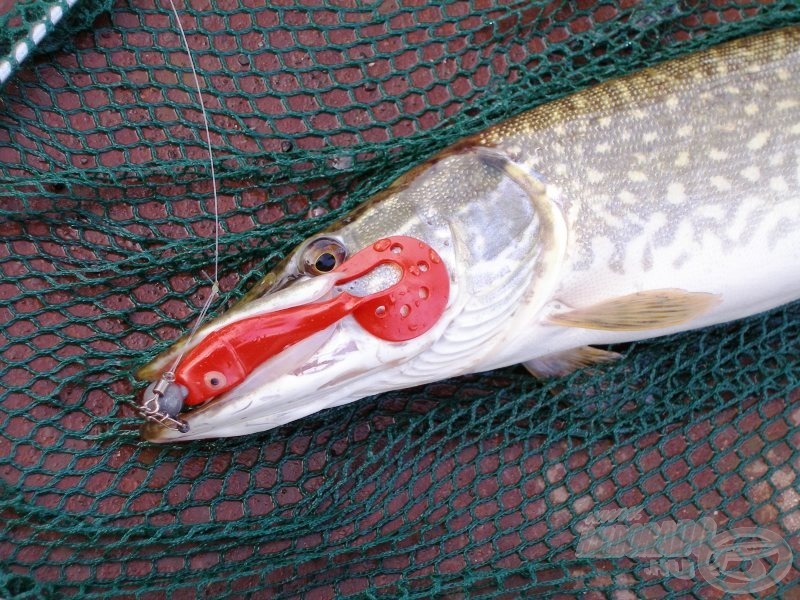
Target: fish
[[659, 202]]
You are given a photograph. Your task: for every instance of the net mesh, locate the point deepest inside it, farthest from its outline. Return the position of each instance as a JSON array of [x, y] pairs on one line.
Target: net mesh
[[490, 485]]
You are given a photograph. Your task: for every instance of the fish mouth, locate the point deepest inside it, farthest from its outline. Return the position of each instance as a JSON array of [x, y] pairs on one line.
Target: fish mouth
[[213, 418], [162, 402], [296, 382], [316, 333]]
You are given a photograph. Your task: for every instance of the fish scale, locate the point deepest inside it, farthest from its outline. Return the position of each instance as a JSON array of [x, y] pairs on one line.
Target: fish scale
[[700, 193], [654, 113]]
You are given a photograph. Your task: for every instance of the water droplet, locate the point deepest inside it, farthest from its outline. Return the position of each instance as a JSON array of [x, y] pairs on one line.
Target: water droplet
[[380, 311], [404, 310], [424, 292], [244, 60], [381, 245], [423, 266], [397, 248], [287, 146], [413, 270], [413, 326], [435, 258]]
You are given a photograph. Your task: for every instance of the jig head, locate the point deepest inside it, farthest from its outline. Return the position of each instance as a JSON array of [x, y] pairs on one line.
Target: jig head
[[162, 401]]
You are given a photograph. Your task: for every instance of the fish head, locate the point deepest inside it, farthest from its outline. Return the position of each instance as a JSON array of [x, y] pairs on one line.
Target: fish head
[[405, 290]]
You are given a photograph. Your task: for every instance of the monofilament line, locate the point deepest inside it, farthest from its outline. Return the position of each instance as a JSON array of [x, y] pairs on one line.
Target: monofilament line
[[215, 284]]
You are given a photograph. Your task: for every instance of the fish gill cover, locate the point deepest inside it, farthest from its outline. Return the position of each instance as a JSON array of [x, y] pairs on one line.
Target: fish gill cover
[[491, 485]]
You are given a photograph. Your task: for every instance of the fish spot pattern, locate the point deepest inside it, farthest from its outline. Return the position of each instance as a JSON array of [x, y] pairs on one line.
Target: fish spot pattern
[[706, 134]]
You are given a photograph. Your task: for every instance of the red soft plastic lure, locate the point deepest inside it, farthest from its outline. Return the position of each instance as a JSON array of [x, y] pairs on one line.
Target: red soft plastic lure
[[401, 312]]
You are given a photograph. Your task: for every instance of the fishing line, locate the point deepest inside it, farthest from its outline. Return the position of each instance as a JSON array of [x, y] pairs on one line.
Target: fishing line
[[160, 402], [215, 283]]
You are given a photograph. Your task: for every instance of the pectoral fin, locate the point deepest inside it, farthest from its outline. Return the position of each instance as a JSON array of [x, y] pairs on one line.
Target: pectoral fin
[[564, 363], [654, 309]]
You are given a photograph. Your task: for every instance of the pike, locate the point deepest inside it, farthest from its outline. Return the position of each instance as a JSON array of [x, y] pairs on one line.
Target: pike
[[656, 203]]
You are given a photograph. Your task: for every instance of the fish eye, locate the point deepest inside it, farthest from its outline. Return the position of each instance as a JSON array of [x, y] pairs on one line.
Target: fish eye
[[325, 262], [322, 255], [215, 380]]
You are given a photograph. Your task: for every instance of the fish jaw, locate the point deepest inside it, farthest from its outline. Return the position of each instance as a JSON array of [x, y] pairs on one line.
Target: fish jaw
[[334, 367]]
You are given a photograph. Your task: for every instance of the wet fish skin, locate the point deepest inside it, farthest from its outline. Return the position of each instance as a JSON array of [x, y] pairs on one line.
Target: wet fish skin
[[659, 202]]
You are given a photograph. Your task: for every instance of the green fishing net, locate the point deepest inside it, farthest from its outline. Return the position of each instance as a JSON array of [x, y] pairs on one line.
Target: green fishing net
[[486, 486]]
